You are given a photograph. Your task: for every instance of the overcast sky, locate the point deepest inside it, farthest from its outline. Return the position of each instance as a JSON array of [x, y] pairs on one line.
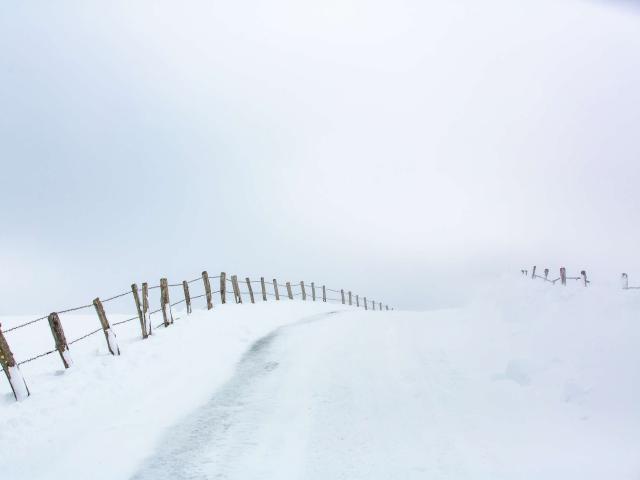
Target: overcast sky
[[396, 148]]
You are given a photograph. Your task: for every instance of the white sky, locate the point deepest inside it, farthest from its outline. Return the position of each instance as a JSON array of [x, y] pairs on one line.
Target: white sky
[[395, 148]]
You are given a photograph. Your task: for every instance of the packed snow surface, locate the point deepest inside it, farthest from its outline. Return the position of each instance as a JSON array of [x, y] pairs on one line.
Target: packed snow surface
[[529, 381]]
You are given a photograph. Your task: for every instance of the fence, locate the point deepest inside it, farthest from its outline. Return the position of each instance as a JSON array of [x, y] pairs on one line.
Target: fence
[[239, 290], [562, 278]]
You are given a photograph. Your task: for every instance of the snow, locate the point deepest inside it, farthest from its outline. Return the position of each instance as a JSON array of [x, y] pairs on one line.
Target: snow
[[528, 381]]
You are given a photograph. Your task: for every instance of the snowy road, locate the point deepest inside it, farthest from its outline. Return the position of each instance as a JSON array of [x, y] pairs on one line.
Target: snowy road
[[335, 396]]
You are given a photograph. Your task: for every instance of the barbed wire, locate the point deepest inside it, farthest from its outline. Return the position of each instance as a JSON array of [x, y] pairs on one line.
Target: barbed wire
[[116, 296], [85, 336], [36, 357]]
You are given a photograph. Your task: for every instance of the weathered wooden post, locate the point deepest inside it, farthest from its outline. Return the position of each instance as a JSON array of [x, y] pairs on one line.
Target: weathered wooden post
[[165, 304], [60, 339], [289, 292], [373, 305], [207, 289], [145, 307], [187, 296], [141, 317], [264, 289], [583, 274], [358, 301], [546, 274], [275, 289], [223, 287], [365, 303], [386, 307], [625, 281], [313, 291], [342, 295], [380, 306], [109, 335], [12, 371], [236, 289], [304, 292], [350, 302], [563, 275], [533, 273], [324, 293], [250, 290]]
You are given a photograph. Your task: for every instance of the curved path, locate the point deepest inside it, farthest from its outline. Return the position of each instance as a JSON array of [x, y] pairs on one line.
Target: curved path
[[345, 395]]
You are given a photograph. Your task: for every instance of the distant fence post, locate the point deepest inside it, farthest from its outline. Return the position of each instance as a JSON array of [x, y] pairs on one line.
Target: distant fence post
[[223, 287], [365, 303], [264, 289], [289, 292], [373, 304], [250, 290], [275, 289], [141, 317], [563, 275], [380, 306], [165, 304], [145, 307], [625, 281], [60, 339], [11, 370], [187, 296], [342, 295], [324, 293], [386, 307], [583, 274], [546, 274], [304, 292], [236, 289], [207, 289], [109, 335], [313, 291], [358, 301], [533, 272], [350, 302]]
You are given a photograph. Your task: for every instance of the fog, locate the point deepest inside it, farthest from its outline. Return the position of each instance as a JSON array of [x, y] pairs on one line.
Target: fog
[[405, 150]]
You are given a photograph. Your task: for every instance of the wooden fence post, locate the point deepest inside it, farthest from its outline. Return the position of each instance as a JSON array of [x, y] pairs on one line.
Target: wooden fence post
[[380, 306], [583, 274], [386, 307], [289, 292], [187, 296], [304, 292], [165, 304], [236, 289], [625, 281], [533, 273], [141, 317], [358, 301], [546, 274], [207, 289], [365, 303], [373, 305], [350, 302], [275, 289], [60, 339], [264, 289], [12, 371], [223, 287], [342, 295], [145, 307], [563, 275], [324, 293], [109, 335], [250, 290], [313, 291]]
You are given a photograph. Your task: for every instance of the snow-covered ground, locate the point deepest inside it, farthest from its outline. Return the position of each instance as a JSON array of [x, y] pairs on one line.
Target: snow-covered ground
[[529, 381]]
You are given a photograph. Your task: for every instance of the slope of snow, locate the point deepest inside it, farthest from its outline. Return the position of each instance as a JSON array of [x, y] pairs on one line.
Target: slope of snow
[[529, 381]]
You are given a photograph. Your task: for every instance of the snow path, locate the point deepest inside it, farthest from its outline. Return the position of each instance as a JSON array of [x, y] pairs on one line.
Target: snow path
[[335, 396]]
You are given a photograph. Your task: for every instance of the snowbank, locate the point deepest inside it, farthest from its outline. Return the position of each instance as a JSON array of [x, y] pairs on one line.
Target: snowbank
[[528, 381]]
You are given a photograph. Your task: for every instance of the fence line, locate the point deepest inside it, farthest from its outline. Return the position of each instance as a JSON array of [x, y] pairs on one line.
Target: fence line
[[562, 278], [11, 367]]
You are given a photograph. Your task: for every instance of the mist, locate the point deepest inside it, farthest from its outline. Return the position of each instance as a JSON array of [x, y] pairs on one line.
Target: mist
[[407, 151]]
